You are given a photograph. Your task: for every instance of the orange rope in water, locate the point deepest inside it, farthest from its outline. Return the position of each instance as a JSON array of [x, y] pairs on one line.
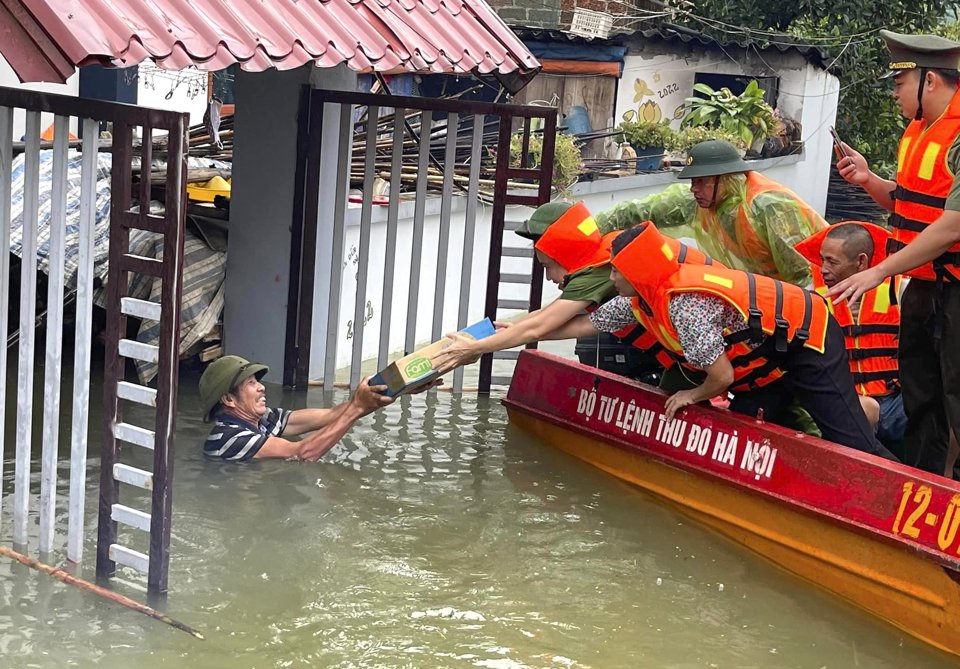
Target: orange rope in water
[[70, 579]]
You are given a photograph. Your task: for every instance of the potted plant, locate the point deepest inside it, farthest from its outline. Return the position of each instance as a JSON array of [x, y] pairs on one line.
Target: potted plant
[[746, 116], [649, 139], [695, 134], [566, 156]]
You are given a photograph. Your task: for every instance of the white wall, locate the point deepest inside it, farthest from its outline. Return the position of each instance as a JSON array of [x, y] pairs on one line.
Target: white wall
[[426, 298], [147, 96], [807, 93], [9, 79], [603, 194], [189, 90]]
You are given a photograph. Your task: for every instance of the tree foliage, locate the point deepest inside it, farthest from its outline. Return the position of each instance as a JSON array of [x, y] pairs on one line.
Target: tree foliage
[[846, 31]]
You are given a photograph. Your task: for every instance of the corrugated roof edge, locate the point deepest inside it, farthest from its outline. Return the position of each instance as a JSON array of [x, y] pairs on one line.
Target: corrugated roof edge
[[46, 42], [671, 33]]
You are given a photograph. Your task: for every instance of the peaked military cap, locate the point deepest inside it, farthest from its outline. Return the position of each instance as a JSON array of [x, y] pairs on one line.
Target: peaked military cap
[[911, 51], [711, 158], [541, 219], [223, 375]]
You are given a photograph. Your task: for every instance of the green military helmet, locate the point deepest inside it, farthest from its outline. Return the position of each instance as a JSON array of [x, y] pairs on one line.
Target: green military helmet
[[223, 375], [542, 218], [712, 158], [912, 51]]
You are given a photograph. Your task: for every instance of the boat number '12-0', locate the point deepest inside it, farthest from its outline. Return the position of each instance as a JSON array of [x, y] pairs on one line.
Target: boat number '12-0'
[[918, 514]]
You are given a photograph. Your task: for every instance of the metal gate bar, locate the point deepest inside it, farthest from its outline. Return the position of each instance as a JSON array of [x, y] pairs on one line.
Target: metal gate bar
[[6, 196], [470, 226], [80, 415], [393, 211], [28, 307], [420, 200], [124, 118], [336, 248], [443, 244], [366, 214], [396, 138], [51, 380]]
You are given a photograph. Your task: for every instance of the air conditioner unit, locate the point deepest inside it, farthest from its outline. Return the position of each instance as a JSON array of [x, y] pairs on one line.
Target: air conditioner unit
[[588, 23]]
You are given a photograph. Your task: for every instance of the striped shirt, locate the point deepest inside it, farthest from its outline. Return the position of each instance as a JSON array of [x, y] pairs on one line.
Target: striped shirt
[[233, 438]]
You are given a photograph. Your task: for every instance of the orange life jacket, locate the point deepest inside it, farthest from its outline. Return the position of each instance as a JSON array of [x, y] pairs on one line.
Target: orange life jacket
[[871, 338], [639, 334], [574, 241], [745, 242], [779, 315], [924, 180]]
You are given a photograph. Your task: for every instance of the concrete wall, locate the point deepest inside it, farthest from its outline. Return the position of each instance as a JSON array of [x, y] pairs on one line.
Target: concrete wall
[[657, 78], [600, 195], [538, 13], [264, 166]]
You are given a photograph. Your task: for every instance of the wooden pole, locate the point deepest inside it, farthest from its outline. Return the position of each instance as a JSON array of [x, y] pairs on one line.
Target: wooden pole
[[75, 581]]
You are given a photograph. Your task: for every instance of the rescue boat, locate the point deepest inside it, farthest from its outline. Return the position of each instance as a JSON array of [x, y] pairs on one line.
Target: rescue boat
[[881, 535]]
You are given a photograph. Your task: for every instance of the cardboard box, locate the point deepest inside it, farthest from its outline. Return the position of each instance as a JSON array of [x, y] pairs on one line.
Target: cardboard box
[[412, 371]]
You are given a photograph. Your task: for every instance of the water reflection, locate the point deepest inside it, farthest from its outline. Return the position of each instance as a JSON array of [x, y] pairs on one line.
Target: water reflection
[[436, 535]]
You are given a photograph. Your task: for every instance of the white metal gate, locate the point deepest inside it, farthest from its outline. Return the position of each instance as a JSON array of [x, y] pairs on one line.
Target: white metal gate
[[65, 216]]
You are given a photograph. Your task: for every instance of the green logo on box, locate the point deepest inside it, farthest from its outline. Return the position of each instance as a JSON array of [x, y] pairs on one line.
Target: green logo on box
[[417, 367]]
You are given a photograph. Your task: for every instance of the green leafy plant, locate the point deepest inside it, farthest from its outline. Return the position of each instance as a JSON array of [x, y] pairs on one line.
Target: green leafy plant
[[695, 134], [566, 156], [844, 32], [644, 134], [746, 116]]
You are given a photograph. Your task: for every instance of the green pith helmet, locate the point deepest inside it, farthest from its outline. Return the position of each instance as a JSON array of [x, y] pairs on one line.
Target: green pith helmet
[[911, 51], [712, 158], [541, 219], [221, 376]]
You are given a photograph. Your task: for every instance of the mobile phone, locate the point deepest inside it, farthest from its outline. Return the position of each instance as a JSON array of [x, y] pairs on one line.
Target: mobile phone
[[838, 145]]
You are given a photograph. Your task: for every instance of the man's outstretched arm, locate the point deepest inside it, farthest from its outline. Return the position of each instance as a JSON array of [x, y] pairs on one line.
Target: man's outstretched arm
[[335, 423]]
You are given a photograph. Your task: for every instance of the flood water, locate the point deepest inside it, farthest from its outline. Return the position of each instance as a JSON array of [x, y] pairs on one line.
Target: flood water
[[434, 535]]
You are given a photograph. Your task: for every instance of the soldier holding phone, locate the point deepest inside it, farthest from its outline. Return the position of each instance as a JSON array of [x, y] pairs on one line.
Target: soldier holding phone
[[925, 201]]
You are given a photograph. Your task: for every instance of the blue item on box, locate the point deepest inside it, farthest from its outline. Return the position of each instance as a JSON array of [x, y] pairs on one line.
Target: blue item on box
[[414, 370]]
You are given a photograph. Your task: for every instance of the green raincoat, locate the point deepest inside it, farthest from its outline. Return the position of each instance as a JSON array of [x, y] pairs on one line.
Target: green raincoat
[[758, 236]]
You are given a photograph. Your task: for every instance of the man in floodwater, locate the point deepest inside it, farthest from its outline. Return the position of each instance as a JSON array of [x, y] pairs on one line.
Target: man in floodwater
[[247, 429]]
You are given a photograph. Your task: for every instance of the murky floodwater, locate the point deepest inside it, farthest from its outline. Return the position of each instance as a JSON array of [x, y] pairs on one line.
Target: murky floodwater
[[436, 535]]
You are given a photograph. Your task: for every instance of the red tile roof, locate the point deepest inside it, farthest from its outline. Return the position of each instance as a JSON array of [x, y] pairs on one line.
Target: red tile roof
[[453, 36]]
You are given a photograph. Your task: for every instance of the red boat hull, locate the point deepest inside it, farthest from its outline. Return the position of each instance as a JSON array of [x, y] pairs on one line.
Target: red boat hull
[[882, 535]]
